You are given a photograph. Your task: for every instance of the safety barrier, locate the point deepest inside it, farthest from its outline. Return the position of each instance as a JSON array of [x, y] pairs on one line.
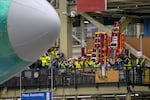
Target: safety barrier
[[75, 78]]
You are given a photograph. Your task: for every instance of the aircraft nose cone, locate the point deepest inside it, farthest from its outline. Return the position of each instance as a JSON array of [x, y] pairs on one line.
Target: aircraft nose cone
[[33, 26]]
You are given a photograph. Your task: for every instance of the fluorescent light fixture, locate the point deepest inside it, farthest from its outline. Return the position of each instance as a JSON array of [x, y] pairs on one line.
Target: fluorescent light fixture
[[57, 97], [84, 96], [70, 97], [106, 96], [120, 95], [79, 96], [86, 22]]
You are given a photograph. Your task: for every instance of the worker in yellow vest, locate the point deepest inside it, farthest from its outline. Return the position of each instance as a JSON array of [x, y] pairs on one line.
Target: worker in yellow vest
[[81, 62], [127, 68], [140, 64], [43, 60], [96, 66], [48, 58], [91, 63], [86, 66], [54, 53], [77, 64], [127, 64]]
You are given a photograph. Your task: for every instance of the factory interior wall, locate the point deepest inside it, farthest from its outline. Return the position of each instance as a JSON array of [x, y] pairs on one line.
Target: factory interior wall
[[135, 42], [146, 28]]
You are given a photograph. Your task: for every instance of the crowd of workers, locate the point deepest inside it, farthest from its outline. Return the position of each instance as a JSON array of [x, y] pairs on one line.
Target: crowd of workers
[[87, 65]]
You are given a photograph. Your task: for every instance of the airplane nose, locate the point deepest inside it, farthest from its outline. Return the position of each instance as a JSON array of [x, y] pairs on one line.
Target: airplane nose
[[33, 26]]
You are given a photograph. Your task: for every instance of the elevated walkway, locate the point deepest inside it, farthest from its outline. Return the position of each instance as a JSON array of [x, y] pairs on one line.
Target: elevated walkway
[[84, 92], [68, 91]]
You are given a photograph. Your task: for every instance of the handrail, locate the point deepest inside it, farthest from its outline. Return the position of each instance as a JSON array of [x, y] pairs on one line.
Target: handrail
[[73, 79], [134, 52]]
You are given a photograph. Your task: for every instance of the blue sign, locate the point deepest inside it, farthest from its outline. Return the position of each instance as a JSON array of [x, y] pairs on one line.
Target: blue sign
[[36, 96]]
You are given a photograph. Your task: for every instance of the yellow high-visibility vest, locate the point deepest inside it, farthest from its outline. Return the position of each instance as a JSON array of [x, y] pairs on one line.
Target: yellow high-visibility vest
[[78, 66], [43, 60], [129, 65], [47, 60], [54, 53]]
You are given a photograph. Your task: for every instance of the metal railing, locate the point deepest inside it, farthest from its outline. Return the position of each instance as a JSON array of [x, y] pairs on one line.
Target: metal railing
[[75, 78]]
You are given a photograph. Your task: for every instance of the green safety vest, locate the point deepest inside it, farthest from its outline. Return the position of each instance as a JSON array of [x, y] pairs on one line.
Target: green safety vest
[[54, 53], [129, 65], [96, 65], [86, 64], [90, 63], [140, 62], [78, 66], [59, 65], [47, 60], [43, 60]]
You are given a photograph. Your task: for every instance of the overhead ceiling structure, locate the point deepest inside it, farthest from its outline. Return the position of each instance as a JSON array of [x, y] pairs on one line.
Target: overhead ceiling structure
[[117, 9], [128, 8]]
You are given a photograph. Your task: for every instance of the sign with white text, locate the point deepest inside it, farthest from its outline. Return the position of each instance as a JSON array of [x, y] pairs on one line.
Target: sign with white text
[[36, 96]]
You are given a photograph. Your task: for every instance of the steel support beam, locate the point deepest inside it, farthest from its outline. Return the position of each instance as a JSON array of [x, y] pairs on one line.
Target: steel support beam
[[82, 36], [128, 96], [14, 93], [64, 97], [66, 30], [93, 91], [82, 31], [126, 20], [76, 49], [65, 91], [116, 97], [51, 1], [100, 26], [138, 30], [76, 38]]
